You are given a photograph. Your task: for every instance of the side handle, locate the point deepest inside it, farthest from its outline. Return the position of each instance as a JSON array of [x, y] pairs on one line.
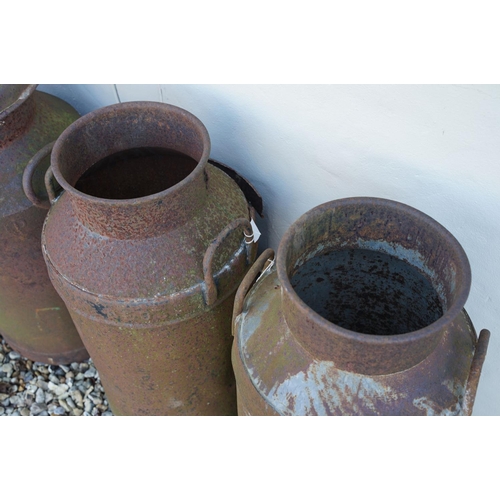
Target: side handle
[[259, 266], [475, 371], [28, 178], [210, 288]]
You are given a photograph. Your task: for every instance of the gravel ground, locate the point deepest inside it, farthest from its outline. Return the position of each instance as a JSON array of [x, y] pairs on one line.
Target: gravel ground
[[31, 388]]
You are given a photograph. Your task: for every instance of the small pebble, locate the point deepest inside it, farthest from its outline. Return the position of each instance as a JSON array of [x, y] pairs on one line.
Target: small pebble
[[29, 398], [40, 396], [43, 385], [58, 410], [8, 369], [88, 406], [14, 355], [65, 405], [90, 373], [37, 408], [77, 397]]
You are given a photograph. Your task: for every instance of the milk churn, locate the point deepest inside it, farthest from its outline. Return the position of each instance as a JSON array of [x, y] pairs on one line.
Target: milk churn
[[146, 245], [33, 319], [360, 314]]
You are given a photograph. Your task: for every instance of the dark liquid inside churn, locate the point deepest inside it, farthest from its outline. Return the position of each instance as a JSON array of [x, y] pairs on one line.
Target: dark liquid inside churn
[[136, 172], [368, 292]]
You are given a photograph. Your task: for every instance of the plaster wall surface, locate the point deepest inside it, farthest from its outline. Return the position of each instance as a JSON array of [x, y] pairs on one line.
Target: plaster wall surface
[[434, 147]]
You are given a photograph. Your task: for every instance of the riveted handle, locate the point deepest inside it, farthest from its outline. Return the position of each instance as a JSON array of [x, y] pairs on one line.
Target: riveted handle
[[475, 371], [210, 288], [28, 177], [259, 266]]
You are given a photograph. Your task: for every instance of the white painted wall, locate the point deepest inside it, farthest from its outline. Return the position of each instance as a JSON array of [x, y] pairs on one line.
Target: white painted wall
[[434, 147]]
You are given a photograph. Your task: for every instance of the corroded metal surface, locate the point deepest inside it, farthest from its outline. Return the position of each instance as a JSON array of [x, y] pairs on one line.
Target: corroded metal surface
[[33, 318], [150, 281], [290, 360]]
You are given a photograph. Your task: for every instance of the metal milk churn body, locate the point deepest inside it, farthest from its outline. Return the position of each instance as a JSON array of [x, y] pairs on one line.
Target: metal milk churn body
[[33, 318], [146, 245], [362, 314]]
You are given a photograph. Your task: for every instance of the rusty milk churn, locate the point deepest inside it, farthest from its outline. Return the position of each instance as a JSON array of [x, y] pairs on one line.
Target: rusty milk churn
[[33, 318], [362, 314], [146, 245]]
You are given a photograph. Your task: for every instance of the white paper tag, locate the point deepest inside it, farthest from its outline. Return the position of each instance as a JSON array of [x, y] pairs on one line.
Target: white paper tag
[[256, 232], [254, 237]]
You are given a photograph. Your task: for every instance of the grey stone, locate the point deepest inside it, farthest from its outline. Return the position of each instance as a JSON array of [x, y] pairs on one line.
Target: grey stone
[[88, 406], [58, 410], [65, 405], [14, 355], [90, 373], [40, 396], [95, 399], [29, 398], [42, 384], [15, 400], [58, 390], [37, 408], [77, 397], [7, 368]]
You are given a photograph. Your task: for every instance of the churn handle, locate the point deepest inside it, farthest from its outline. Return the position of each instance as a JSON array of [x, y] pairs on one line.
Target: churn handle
[[210, 289], [475, 371], [28, 177], [260, 264]]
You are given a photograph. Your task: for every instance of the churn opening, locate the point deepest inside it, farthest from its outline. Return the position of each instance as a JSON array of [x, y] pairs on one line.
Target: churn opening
[[367, 291], [135, 172]]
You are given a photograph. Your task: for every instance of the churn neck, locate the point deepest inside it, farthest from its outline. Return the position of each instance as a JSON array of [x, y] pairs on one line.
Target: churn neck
[[17, 109], [389, 227], [122, 127]]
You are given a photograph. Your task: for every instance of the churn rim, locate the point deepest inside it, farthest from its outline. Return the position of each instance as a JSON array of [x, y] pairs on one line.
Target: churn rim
[[25, 95], [450, 314], [132, 105]]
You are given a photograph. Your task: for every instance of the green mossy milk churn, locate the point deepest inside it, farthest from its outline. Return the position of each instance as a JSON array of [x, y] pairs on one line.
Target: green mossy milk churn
[[362, 314], [146, 246], [33, 319]]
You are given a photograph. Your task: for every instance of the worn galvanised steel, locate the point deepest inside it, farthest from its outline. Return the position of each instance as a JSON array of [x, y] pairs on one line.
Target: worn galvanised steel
[[149, 279], [361, 315], [33, 318]]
